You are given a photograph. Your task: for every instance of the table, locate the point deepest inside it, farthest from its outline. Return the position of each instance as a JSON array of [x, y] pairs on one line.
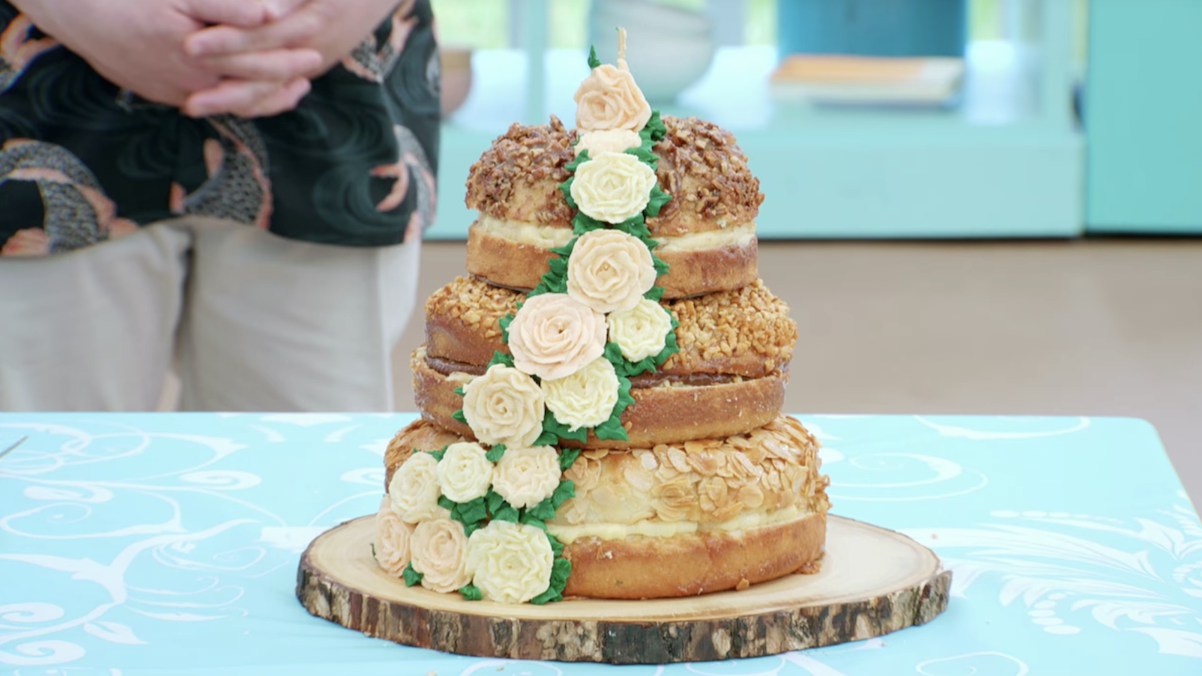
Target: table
[[167, 544]]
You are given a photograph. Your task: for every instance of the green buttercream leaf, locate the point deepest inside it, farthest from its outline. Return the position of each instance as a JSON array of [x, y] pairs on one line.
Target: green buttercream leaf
[[543, 511], [563, 492], [458, 416], [504, 323], [560, 430], [472, 511], [551, 595], [439, 453], [469, 528], [658, 199], [547, 438], [580, 159], [566, 189], [558, 266], [507, 512], [582, 223], [470, 592], [531, 519], [565, 250], [458, 390], [373, 549], [634, 226], [556, 545], [567, 457], [494, 500], [413, 577], [655, 125], [613, 354], [560, 570], [494, 454], [654, 293], [612, 429], [593, 61], [661, 268], [446, 503], [499, 357], [644, 154]]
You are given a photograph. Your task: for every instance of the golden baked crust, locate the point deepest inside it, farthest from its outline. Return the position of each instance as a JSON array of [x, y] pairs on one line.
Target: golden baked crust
[[519, 265], [667, 413], [745, 333], [700, 166], [747, 507], [694, 563]]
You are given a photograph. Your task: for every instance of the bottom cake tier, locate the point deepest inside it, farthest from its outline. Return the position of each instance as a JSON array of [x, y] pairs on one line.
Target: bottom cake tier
[[680, 519]]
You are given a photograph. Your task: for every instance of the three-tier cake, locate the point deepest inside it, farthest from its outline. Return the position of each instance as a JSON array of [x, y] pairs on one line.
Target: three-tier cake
[[601, 395]]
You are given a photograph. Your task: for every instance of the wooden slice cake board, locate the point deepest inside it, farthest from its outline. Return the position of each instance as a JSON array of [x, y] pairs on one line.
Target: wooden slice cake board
[[873, 581]]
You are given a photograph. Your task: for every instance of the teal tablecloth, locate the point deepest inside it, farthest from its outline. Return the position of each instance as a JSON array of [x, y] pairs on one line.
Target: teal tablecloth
[[168, 544]]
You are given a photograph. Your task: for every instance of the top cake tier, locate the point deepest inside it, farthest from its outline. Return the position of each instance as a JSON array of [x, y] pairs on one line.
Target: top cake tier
[[706, 232]]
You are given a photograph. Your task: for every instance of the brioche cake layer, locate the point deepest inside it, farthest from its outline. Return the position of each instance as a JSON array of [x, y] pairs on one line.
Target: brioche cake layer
[[667, 411], [514, 255], [745, 333], [706, 231], [681, 519]]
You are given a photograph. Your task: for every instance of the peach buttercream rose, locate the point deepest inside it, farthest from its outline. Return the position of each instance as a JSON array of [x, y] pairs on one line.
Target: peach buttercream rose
[[609, 98], [414, 489], [612, 187], [439, 550], [464, 472], [504, 406], [585, 398], [609, 271], [509, 562], [527, 476], [392, 539], [607, 141], [642, 331], [553, 335]]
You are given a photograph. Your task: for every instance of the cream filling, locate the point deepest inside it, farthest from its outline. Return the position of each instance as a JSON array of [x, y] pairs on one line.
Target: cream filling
[[548, 236], [568, 533]]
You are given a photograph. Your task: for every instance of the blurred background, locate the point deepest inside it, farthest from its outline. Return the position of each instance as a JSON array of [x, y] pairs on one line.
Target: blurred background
[[972, 206]]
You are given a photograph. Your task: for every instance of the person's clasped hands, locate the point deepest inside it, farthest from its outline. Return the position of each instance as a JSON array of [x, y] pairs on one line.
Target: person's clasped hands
[[249, 58]]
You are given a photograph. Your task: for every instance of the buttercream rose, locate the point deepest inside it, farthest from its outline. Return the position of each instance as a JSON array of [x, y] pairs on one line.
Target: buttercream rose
[[439, 550], [413, 490], [509, 562], [392, 539], [612, 187], [504, 406], [464, 472], [607, 141], [553, 335], [609, 271], [527, 476], [585, 398], [641, 331], [609, 98]]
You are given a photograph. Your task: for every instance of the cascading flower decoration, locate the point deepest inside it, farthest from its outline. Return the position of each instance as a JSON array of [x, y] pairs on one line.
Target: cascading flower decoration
[[475, 517]]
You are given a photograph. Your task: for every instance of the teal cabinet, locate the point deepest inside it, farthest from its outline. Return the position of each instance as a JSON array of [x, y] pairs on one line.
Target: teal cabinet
[[1143, 117]]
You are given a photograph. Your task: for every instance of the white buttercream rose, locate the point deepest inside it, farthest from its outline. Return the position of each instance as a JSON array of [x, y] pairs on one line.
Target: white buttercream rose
[[527, 476], [439, 550], [509, 562], [413, 490], [464, 472], [609, 270], [585, 398], [641, 331], [392, 539], [609, 99], [612, 187], [553, 335], [504, 406], [607, 141]]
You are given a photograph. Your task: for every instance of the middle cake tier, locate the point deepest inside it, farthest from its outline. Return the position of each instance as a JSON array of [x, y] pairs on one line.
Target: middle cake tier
[[728, 378]]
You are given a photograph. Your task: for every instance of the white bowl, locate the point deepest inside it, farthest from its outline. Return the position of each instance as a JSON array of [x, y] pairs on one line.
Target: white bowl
[[668, 48]]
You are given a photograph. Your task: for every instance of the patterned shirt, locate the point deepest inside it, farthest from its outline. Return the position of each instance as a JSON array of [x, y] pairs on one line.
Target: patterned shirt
[[82, 161]]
